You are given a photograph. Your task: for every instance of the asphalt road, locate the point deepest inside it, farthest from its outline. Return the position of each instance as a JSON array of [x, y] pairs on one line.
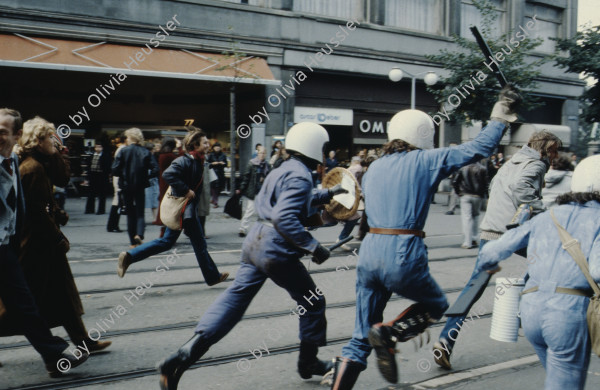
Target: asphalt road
[[149, 314]]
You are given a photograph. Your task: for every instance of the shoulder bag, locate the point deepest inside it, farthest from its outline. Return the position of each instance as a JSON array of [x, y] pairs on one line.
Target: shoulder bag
[[173, 207], [572, 246]]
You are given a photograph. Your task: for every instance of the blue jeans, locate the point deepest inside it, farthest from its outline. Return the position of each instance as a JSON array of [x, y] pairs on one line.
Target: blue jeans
[[455, 323], [347, 230], [556, 325], [193, 229]]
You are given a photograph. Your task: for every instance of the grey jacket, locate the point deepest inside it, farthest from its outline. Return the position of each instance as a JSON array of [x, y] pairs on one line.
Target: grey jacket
[[518, 181]]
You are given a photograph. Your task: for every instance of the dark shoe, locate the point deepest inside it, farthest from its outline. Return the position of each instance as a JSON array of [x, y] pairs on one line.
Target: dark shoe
[[138, 240], [242, 234], [474, 243], [223, 278], [441, 355], [318, 367], [97, 346], [117, 230], [215, 206], [123, 264], [63, 363], [172, 368], [380, 339], [450, 212], [345, 373]]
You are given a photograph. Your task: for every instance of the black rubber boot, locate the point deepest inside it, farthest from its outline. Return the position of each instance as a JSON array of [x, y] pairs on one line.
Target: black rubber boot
[[345, 373], [113, 220], [172, 368], [383, 337], [309, 364]]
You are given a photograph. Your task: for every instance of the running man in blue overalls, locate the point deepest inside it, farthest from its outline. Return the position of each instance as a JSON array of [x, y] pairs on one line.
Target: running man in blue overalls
[[273, 249], [398, 189]]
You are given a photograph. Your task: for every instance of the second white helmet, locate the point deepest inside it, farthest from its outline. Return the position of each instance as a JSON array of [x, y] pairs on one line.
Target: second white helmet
[[308, 139], [586, 177], [414, 127]]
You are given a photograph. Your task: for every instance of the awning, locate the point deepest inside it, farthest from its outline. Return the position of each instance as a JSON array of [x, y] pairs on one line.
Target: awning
[[101, 57]]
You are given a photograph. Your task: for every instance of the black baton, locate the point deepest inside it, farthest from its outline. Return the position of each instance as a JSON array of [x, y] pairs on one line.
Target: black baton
[[487, 53], [340, 243]]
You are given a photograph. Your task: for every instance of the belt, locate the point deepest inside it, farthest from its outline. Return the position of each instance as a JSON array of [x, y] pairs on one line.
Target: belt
[[561, 290], [418, 233], [266, 223]]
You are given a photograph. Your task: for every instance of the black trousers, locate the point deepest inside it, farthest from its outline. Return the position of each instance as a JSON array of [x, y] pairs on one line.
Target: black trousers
[[21, 307], [97, 189], [135, 203]]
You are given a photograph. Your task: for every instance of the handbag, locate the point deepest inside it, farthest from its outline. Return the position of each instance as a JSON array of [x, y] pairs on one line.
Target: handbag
[[572, 246], [171, 210], [233, 207]]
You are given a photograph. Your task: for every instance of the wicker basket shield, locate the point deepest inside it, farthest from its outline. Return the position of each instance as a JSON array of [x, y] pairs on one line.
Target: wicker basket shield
[[334, 208]]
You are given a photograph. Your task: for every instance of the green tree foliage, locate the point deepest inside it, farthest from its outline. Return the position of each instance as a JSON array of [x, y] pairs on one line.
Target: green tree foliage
[[467, 67], [583, 56]]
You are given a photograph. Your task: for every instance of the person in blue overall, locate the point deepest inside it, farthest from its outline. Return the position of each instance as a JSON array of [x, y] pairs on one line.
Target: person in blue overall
[[272, 249], [184, 175], [398, 189], [556, 293]]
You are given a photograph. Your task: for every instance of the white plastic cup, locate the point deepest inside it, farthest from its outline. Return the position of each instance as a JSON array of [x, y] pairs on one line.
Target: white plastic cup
[[505, 320]]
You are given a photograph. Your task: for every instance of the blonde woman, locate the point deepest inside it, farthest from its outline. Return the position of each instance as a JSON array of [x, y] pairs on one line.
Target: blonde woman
[[43, 245]]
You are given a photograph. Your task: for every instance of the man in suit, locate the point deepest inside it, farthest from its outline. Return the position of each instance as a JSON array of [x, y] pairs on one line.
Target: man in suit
[[14, 291]]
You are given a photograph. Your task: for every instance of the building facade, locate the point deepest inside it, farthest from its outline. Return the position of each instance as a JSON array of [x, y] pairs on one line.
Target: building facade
[[108, 65]]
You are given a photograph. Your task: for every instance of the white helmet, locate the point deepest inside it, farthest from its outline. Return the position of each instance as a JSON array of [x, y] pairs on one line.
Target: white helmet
[[586, 177], [308, 139], [414, 127]]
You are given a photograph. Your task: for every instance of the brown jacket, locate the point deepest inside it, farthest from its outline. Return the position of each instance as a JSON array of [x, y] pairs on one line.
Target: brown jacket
[[44, 264]]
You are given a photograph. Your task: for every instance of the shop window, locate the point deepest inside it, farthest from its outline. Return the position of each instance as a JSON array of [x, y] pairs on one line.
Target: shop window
[[346, 9], [423, 15], [548, 24], [471, 16]]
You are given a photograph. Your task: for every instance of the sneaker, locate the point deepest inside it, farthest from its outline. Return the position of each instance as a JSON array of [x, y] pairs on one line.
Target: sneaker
[[466, 246], [450, 212], [124, 263], [385, 349], [441, 356], [138, 240], [344, 246]]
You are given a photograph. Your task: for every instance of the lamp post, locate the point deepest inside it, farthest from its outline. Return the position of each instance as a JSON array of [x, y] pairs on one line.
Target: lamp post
[[396, 75]]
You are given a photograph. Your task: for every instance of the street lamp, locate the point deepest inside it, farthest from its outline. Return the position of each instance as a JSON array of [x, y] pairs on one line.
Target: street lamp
[[396, 75]]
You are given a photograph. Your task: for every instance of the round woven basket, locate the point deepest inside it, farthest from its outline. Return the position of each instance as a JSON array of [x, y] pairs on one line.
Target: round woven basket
[[334, 208]]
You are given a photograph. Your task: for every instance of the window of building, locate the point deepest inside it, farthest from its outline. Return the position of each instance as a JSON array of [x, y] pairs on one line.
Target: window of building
[[548, 24], [470, 16], [423, 15], [346, 9]]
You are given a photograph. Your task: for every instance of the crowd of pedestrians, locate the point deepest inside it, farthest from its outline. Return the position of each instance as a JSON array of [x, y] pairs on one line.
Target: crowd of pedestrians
[[38, 291]]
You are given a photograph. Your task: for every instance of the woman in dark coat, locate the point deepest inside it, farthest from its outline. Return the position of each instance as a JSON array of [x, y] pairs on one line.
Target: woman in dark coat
[[43, 245], [217, 162]]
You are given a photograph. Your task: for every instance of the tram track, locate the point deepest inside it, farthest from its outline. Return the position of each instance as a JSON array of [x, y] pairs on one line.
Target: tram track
[[192, 324], [225, 359]]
